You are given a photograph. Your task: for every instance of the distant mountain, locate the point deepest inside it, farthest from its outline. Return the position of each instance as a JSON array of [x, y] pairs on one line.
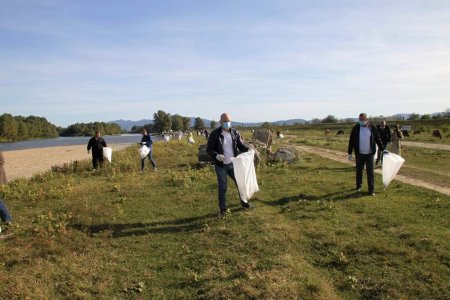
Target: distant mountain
[[128, 124]]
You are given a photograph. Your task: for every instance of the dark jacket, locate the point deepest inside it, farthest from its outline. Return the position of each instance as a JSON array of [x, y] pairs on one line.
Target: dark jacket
[[385, 133], [96, 145], [146, 140], [215, 144], [353, 143]]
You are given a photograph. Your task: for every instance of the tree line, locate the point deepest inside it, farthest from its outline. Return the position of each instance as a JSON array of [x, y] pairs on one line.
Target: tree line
[[88, 129], [16, 128], [163, 122]]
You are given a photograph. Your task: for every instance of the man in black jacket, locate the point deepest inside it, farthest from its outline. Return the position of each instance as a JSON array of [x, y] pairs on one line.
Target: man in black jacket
[[96, 143], [385, 135], [225, 143], [363, 138]]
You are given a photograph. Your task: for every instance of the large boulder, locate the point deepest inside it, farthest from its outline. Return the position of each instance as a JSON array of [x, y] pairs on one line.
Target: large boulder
[[284, 154], [264, 136]]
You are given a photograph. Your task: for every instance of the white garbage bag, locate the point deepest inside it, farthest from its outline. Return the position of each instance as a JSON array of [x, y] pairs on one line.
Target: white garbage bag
[[244, 171], [167, 137], [376, 153], [281, 136], [144, 151], [180, 136], [391, 164], [191, 140], [107, 153]]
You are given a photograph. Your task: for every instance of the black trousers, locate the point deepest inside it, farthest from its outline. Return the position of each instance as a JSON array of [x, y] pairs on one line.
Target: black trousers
[[367, 160], [97, 158]]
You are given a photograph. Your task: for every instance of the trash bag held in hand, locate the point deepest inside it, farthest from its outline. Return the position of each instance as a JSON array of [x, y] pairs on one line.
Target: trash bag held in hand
[[244, 171], [144, 151], [391, 164], [107, 153]]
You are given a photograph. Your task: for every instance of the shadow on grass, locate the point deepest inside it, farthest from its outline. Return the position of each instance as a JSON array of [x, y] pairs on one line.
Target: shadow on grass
[[181, 225], [335, 196]]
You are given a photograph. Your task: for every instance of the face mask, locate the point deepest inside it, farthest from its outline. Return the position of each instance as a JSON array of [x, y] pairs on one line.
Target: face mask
[[363, 123], [226, 125]]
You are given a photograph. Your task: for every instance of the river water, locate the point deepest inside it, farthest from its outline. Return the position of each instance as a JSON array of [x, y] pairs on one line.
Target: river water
[[69, 141]]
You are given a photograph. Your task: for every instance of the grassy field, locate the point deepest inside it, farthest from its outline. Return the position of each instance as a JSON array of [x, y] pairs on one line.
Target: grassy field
[[155, 235], [421, 163], [425, 127]]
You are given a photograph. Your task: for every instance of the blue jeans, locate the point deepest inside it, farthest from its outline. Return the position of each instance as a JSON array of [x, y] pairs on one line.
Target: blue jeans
[[150, 158], [4, 213], [361, 160], [222, 174]]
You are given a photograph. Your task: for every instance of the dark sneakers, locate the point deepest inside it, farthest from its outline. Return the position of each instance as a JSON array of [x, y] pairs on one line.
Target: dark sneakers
[[246, 205], [223, 213]]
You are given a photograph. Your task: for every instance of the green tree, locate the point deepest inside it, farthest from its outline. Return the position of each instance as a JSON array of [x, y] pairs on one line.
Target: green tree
[[8, 127], [213, 124], [186, 123], [414, 116], [177, 122], [21, 128], [161, 121], [265, 124], [88, 129], [425, 117], [199, 124], [437, 116], [330, 119]]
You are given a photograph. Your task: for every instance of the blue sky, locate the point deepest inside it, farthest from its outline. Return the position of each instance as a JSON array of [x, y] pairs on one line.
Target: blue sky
[[83, 61]]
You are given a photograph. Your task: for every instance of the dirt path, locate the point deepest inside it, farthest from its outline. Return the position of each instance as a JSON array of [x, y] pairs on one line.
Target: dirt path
[[426, 145], [342, 157]]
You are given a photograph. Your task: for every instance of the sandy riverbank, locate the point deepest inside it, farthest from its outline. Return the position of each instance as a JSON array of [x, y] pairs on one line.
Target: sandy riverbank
[[26, 163]]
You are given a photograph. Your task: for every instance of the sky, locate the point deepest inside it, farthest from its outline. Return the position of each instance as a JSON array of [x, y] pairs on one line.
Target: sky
[[258, 60]]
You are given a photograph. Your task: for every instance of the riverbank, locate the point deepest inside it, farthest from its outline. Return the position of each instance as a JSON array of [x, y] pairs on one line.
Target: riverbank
[[29, 162]]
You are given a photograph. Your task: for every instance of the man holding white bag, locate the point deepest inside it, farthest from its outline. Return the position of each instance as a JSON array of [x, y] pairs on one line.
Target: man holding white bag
[[96, 143], [225, 143], [147, 142]]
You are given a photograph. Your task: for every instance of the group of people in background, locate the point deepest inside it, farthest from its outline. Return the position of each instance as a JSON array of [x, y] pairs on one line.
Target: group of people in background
[[389, 137], [97, 143], [224, 143], [364, 139]]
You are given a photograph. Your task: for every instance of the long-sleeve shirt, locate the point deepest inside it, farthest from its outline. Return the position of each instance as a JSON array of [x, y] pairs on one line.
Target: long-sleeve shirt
[[146, 140], [96, 145]]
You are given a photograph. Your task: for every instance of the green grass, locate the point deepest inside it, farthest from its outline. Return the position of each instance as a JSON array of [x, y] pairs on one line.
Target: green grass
[[421, 163], [108, 235]]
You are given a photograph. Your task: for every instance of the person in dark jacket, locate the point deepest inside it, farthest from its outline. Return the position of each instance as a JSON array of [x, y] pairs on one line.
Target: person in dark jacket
[[96, 143], [147, 141], [363, 138], [225, 143], [385, 135], [4, 213]]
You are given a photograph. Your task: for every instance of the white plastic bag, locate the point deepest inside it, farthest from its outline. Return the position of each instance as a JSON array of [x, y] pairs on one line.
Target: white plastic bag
[[391, 164], [167, 137], [180, 136], [281, 136], [244, 171], [144, 151], [191, 140], [107, 153]]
